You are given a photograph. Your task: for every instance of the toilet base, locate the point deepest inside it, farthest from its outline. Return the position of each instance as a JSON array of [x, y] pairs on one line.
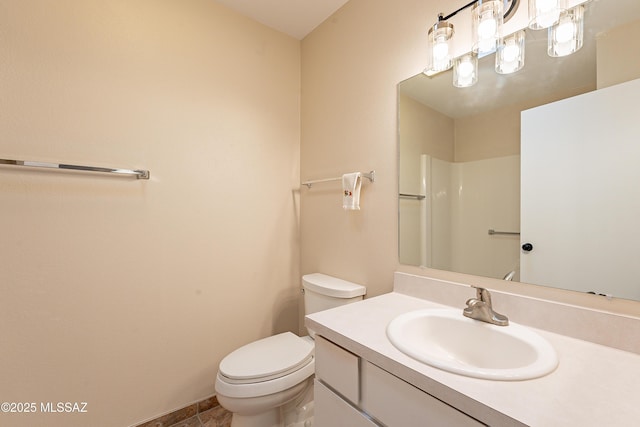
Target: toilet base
[[269, 418], [289, 408], [299, 412]]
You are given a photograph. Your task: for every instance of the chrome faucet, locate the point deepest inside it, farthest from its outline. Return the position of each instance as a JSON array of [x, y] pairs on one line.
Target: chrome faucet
[[479, 308], [509, 275]]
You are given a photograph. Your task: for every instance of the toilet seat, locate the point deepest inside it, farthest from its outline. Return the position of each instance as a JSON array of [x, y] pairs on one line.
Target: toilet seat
[[266, 366], [266, 359]]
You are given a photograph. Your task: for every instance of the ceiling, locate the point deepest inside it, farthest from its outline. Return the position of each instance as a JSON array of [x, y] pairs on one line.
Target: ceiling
[[296, 18]]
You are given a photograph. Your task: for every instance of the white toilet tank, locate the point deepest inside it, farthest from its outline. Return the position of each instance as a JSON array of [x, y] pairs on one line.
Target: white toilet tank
[[322, 292]]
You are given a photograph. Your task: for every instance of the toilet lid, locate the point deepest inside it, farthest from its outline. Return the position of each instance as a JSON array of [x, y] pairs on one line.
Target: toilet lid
[[266, 359]]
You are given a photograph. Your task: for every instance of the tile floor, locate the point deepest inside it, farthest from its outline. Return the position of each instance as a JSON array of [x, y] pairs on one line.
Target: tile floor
[[215, 417], [206, 413]]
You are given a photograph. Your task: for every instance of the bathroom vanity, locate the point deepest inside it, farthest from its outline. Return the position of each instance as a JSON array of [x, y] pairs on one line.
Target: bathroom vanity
[[350, 391], [363, 380]]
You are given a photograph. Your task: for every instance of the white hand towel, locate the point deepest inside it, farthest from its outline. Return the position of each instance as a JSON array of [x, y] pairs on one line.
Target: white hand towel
[[351, 183]]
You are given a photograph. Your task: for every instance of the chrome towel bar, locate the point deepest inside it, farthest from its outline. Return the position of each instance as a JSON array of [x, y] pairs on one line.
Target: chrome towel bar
[[508, 233], [412, 196], [371, 176], [139, 174]]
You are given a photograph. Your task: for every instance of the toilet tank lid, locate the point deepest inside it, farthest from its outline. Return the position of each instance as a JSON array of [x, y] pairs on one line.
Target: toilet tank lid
[[332, 286]]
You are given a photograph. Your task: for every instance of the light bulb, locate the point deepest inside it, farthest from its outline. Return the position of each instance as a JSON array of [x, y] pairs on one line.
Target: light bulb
[[567, 36], [508, 67], [487, 27], [510, 55], [544, 13], [487, 18], [487, 35], [465, 69], [440, 50], [565, 32], [511, 51], [439, 56]]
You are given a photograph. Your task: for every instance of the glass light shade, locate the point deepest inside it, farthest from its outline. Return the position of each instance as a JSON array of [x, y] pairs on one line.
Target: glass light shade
[[486, 25], [510, 53], [439, 58], [465, 70], [567, 36], [544, 13]]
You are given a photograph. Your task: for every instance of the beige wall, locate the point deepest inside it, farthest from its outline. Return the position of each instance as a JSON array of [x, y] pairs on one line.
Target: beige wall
[[618, 59], [351, 65], [121, 293], [424, 130], [488, 135]]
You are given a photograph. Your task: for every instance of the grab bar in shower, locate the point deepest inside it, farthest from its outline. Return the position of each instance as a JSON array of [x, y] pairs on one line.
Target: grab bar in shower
[[139, 174], [412, 196], [507, 233]]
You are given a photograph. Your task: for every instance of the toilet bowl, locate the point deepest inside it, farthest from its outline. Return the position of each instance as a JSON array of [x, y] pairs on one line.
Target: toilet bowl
[[269, 382], [256, 380]]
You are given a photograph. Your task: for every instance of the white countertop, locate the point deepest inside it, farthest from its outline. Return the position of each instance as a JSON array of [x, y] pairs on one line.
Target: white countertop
[[593, 385]]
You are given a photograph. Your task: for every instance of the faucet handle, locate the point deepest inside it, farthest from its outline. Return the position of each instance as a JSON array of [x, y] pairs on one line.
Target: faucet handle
[[483, 294]]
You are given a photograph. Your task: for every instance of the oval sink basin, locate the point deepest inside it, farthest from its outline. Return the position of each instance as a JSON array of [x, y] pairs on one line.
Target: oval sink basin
[[445, 339]]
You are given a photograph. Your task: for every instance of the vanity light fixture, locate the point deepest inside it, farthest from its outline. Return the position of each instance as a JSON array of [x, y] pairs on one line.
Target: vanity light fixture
[[565, 30], [488, 17], [566, 37], [487, 25], [439, 47], [510, 53], [465, 70], [544, 13]]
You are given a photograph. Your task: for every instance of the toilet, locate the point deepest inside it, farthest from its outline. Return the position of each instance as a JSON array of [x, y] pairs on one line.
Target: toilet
[[269, 382]]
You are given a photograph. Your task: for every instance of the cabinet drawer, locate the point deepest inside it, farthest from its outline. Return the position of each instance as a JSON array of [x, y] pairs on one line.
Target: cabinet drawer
[[396, 403], [337, 368], [331, 411]]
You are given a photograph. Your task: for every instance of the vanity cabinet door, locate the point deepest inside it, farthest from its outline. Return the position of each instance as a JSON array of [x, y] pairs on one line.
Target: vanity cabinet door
[[338, 368], [396, 403], [332, 411]]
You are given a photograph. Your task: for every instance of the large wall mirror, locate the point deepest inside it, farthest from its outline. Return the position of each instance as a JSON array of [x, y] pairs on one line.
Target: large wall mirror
[[532, 176]]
